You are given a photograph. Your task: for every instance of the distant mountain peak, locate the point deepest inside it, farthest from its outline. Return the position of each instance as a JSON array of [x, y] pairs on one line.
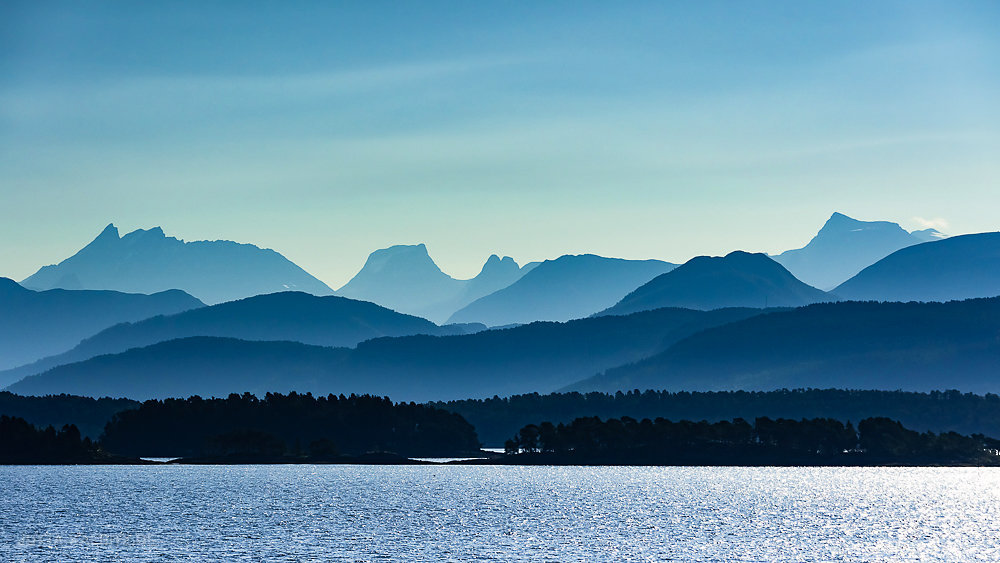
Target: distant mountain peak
[[929, 235], [738, 279], [842, 248], [496, 266], [111, 231], [148, 261], [399, 257]]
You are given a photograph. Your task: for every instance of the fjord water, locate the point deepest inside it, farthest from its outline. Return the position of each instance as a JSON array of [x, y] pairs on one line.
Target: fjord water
[[491, 513]]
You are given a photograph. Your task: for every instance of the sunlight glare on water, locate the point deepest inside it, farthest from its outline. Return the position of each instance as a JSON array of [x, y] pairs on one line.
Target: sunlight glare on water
[[427, 513]]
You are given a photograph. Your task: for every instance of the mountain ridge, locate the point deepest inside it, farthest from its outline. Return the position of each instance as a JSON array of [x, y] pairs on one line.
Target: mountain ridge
[[569, 287], [148, 261], [36, 324], [739, 279]]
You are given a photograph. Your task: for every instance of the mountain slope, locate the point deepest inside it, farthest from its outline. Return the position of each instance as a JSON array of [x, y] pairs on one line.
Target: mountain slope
[[851, 345], [536, 357], [739, 279], [35, 324], [147, 261], [569, 287], [845, 246], [405, 278], [959, 267], [290, 316]]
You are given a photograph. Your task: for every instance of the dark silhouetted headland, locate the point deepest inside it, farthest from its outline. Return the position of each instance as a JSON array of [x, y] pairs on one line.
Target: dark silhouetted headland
[[294, 425], [816, 442]]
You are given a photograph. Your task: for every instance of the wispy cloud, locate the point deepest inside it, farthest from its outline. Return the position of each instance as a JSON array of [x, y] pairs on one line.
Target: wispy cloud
[[935, 223], [210, 90]]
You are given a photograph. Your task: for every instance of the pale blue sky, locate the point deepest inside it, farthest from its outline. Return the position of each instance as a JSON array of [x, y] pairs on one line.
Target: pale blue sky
[[639, 130]]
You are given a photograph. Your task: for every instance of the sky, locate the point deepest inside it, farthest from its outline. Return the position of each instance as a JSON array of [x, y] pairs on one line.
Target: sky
[[530, 129]]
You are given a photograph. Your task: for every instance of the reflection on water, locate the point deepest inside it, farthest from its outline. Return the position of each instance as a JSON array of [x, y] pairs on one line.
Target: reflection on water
[[461, 513]]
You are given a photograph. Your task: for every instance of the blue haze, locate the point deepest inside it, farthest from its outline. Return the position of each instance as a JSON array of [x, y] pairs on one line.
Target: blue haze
[[533, 130]]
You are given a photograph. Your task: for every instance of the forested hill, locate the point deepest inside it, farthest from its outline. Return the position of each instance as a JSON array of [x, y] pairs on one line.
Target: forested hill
[[86, 413], [784, 442], [287, 425], [497, 419], [854, 345], [286, 316], [539, 356]]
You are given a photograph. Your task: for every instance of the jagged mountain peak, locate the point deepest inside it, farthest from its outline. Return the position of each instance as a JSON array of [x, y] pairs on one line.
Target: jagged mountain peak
[[148, 261], [842, 248]]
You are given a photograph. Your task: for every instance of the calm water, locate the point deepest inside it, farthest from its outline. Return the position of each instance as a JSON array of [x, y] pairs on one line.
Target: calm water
[[364, 513]]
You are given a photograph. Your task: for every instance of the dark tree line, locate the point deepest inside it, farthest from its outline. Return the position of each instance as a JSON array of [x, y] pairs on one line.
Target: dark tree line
[[86, 413], [22, 443], [498, 418], [293, 425], [817, 441]]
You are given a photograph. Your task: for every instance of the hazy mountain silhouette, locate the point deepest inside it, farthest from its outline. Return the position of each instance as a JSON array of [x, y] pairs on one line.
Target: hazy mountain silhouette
[[35, 324], [405, 278], [928, 235], [291, 316], [845, 246], [541, 356], [958, 267], [147, 261], [848, 345], [739, 279], [569, 287]]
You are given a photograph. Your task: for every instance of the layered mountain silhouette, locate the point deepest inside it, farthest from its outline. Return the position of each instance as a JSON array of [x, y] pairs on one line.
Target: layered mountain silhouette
[[541, 356], [35, 324], [148, 261], [405, 278], [569, 287], [849, 345], [739, 279], [845, 246], [959, 267], [291, 316]]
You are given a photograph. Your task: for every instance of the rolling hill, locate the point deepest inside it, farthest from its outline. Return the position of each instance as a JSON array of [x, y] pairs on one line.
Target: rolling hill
[[288, 316], [35, 324], [848, 345], [738, 279], [540, 357], [959, 267]]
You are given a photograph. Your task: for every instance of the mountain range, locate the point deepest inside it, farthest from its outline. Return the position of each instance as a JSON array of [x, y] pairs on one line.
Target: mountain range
[[739, 279], [845, 246], [405, 278], [148, 261], [959, 267], [541, 356], [847, 345], [35, 324], [569, 287], [288, 316]]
